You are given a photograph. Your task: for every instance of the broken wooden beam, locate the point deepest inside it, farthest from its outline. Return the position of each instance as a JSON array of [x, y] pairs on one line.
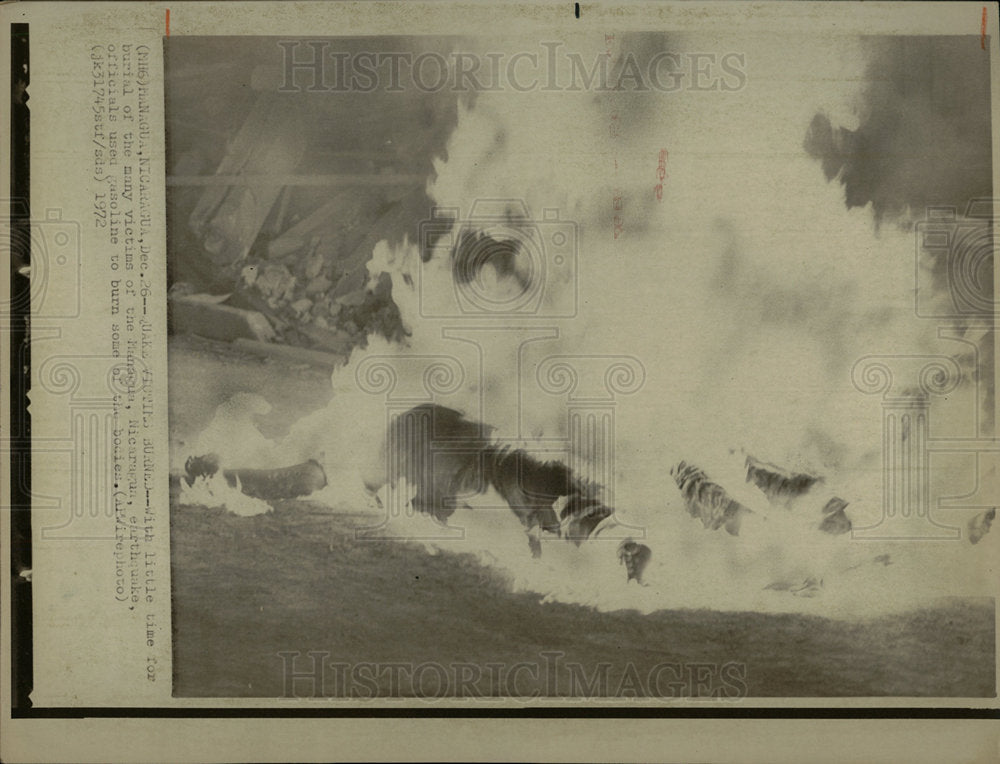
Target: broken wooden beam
[[291, 353], [239, 196], [197, 314]]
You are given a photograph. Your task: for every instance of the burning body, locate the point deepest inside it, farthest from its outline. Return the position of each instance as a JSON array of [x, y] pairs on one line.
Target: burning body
[[439, 460], [447, 459]]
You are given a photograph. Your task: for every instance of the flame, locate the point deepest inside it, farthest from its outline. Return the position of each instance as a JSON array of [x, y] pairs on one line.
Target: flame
[[747, 294]]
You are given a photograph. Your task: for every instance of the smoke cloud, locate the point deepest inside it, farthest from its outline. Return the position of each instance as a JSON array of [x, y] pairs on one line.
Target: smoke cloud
[[924, 140], [747, 294], [924, 132]]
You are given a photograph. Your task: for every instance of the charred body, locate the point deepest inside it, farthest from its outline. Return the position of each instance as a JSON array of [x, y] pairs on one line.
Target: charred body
[[446, 459], [449, 458]]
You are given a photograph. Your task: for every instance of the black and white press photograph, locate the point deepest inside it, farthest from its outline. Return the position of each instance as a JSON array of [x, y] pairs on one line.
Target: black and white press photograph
[[628, 368]]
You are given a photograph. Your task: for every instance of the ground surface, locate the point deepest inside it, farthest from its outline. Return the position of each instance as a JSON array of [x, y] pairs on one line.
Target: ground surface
[[247, 589]]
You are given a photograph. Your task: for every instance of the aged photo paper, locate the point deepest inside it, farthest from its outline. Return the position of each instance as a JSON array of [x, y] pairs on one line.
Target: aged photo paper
[[474, 381]]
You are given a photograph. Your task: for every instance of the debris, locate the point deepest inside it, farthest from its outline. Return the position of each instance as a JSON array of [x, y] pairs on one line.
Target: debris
[[809, 587], [635, 557], [249, 274], [216, 321], [980, 525], [296, 237], [181, 289], [230, 214], [275, 283], [282, 483], [350, 283], [211, 299], [291, 353], [707, 500], [355, 298], [835, 522], [318, 285], [314, 262], [301, 306], [777, 483], [339, 342]]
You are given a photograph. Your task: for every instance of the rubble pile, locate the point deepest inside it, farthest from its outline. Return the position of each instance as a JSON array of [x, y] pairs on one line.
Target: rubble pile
[[310, 283], [276, 198]]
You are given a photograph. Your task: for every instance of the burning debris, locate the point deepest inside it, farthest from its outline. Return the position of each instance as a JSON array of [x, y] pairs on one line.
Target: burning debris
[[438, 459], [446, 457], [268, 485], [307, 288], [778, 484], [635, 557], [835, 521], [810, 587], [980, 525], [709, 502], [278, 199]]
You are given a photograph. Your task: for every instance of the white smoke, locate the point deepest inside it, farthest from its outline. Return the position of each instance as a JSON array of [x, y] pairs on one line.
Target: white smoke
[[747, 295]]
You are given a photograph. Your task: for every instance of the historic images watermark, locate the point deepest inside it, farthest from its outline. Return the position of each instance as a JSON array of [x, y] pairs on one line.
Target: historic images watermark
[[315, 675], [317, 66], [53, 242], [955, 252], [539, 253]]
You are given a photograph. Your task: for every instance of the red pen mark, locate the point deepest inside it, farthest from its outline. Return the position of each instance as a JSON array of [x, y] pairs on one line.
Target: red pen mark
[[168, 22], [661, 174], [982, 31]]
